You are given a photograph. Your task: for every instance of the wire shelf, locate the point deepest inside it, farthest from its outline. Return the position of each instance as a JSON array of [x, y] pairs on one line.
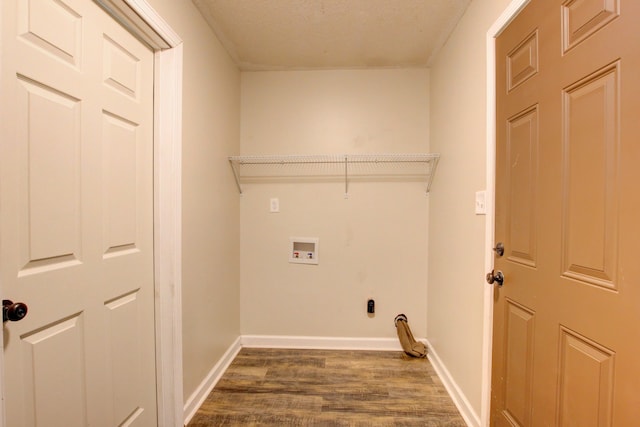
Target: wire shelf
[[335, 166]]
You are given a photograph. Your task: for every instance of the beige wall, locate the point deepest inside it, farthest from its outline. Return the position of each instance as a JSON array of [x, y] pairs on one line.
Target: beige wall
[[456, 234], [373, 244], [210, 210]]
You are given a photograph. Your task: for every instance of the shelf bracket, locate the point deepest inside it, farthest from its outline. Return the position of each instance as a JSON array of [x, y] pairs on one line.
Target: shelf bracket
[[346, 177], [236, 175], [432, 172]]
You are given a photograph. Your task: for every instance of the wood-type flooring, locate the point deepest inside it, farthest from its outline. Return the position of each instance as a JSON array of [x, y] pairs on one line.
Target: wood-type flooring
[[275, 387]]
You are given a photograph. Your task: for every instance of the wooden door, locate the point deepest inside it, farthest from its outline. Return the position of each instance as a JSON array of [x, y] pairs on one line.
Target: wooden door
[[567, 319], [76, 226]]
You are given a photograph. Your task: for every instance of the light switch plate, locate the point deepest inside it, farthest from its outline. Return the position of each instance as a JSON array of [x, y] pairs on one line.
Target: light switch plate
[[274, 205], [481, 206]]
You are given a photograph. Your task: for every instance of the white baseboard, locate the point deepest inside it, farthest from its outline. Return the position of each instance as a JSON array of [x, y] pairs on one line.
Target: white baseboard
[[320, 343], [462, 403], [197, 397]]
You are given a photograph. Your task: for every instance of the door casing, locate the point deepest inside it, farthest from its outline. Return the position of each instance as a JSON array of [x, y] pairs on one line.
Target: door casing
[[167, 145]]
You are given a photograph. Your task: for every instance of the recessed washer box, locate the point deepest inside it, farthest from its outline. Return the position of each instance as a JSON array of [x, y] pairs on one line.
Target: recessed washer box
[[303, 250]]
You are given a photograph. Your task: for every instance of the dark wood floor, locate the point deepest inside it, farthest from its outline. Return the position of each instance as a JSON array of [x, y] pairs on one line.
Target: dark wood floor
[[269, 387]]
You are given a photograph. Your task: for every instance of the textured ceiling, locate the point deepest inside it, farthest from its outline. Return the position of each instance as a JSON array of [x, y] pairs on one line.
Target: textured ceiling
[[323, 34]]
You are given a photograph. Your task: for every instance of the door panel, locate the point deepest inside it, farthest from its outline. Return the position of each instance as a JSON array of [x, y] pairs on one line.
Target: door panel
[[518, 364], [49, 161], [126, 377], [522, 152], [121, 69], [590, 200], [76, 230], [119, 163], [54, 27], [582, 18], [522, 61], [59, 344], [585, 383], [567, 320]]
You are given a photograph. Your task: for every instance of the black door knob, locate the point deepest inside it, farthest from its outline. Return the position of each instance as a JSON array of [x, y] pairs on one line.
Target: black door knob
[[13, 311]]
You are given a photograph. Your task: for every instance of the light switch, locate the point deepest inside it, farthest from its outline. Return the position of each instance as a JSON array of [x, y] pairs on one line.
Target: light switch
[[481, 207], [274, 205]]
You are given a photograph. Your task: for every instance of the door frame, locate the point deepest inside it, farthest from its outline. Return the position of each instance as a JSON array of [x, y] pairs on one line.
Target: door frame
[[511, 11], [145, 23]]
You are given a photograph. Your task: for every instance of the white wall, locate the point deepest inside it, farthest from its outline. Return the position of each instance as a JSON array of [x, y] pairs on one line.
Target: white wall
[[372, 245], [456, 234], [210, 205]]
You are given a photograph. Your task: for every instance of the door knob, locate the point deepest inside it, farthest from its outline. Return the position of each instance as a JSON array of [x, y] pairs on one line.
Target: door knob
[[13, 311], [495, 277]]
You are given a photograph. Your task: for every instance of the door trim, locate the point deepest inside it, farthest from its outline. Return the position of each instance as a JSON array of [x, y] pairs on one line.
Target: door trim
[[168, 234], [511, 11], [142, 20]]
